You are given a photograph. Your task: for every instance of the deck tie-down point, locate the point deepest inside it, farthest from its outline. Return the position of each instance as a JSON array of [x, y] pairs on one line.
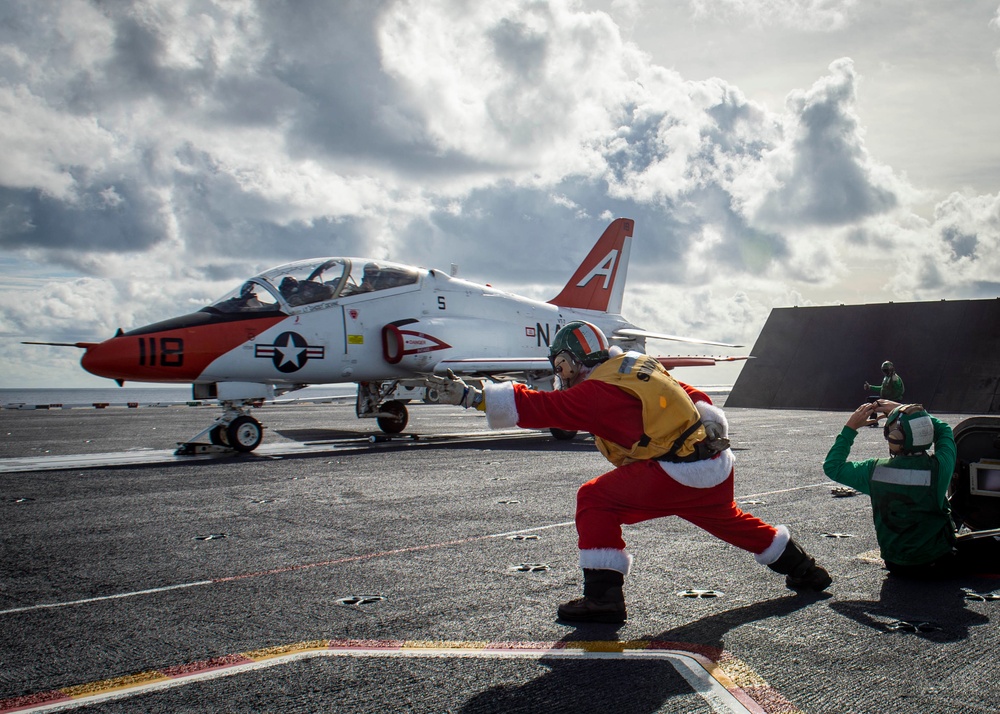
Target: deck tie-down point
[[529, 568], [700, 594], [353, 600]]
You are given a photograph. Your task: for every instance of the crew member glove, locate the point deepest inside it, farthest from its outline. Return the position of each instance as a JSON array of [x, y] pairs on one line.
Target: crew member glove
[[715, 437], [453, 390]]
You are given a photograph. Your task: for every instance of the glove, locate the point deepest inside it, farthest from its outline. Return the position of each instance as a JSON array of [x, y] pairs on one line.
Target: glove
[[867, 386], [453, 390], [714, 430], [715, 437]]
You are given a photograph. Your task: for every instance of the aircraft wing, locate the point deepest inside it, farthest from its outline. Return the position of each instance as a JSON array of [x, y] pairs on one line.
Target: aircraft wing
[[510, 365], [632, 332]]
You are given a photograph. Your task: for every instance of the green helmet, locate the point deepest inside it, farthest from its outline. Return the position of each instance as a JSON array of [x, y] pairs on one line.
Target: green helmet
[[909, 429], [887, 366], [584, 341]]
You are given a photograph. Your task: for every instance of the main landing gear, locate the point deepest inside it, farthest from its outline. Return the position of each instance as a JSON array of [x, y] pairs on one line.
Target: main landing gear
[[234, 429]]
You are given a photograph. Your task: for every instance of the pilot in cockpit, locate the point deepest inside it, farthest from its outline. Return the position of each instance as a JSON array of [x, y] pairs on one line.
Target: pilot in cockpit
[[370, 277], [289, 288], [302, 292], [247, 299]]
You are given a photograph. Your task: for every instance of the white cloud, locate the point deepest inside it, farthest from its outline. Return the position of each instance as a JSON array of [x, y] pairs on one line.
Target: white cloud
[[995, 24], [520, 86], [808, 15], [163, 150]]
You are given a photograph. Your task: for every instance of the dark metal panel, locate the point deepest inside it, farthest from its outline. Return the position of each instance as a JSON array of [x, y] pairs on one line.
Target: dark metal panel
[[947, 353]]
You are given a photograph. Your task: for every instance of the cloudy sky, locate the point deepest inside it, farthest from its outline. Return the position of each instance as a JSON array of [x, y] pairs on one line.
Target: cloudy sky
[[772, 153]]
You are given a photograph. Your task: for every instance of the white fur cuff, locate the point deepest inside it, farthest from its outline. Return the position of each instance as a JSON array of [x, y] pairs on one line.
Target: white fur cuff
[[501, 410], [606, 559], [712, 414], [776, 548]]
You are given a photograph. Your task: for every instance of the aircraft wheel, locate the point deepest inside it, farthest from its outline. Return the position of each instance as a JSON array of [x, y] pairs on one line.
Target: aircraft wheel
[[562, 435], [395, 423], [244, 433], [218, 435]]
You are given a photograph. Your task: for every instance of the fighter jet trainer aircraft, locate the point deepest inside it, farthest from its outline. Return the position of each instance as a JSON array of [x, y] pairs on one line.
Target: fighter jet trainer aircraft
[[386, 326]]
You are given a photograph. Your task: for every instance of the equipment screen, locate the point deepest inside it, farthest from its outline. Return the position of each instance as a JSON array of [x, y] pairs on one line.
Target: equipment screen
[[984, 478]]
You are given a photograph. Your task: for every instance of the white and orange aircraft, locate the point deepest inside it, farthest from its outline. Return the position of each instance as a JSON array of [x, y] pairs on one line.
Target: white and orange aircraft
[[386, 326]]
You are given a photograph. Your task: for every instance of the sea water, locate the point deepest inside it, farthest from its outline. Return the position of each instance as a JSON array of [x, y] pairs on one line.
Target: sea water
[[122, 396]]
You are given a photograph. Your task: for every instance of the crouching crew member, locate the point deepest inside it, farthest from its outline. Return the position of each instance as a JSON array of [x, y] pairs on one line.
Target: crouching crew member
[[909, 492]]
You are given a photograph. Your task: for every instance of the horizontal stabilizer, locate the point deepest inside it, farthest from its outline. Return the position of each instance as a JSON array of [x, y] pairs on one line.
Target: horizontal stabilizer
[[630, 332], [671, 362]]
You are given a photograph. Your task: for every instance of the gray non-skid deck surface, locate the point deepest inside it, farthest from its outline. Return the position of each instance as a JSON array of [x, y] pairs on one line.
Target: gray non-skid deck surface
[[430, 528]]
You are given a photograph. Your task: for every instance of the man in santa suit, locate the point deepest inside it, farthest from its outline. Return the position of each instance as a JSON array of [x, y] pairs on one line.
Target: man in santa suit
[[669, 446]]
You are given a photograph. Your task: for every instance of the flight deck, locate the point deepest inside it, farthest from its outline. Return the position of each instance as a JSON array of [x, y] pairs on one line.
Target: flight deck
[[330, 572]]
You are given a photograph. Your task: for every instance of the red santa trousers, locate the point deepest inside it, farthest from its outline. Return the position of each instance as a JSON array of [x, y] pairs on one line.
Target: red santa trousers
[[642, 490]]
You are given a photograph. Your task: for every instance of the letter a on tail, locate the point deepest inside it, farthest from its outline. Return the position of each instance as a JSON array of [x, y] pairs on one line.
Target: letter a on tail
[[599, 283]]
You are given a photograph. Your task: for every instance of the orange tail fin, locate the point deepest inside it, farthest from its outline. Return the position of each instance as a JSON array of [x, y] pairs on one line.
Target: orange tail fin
[[599, 282]]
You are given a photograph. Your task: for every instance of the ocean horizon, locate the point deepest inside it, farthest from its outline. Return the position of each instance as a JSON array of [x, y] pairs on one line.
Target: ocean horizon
[[123, 396]]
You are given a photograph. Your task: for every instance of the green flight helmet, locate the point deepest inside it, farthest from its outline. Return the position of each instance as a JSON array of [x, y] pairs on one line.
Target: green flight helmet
[[583, 340], [908, 429]]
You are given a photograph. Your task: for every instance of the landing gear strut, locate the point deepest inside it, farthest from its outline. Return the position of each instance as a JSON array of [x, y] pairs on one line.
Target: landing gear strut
[[391, 416], [234, 429]]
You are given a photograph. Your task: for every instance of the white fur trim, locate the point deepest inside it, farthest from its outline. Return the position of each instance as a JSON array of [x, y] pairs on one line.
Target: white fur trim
[[701, 474], [712, 414], [501, 410], [776, 548], [606, 559]]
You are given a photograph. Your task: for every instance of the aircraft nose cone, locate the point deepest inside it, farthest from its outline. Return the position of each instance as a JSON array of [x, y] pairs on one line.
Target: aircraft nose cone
[[103, 360]]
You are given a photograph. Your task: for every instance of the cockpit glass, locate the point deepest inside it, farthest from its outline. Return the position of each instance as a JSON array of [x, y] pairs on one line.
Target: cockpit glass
[[308, 281], [370, 276], [312, 281], [248, 297]]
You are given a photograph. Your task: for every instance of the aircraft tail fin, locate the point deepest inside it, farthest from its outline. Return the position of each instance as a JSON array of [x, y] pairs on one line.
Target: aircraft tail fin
[[599, 282]]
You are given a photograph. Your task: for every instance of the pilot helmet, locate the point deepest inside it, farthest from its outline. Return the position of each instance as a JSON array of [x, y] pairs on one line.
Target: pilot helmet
[[583, 341], [288, 283], [908, 429], [887, 367]]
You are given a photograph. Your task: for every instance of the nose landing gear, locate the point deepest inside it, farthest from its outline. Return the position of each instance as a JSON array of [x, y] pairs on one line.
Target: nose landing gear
[[234, 429]]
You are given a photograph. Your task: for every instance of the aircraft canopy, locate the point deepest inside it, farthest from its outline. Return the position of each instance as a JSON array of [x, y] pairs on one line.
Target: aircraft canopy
[[316, 280]]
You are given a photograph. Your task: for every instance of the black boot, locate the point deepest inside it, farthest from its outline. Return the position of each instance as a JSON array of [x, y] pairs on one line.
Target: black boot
[[800, 569], [602, 601]]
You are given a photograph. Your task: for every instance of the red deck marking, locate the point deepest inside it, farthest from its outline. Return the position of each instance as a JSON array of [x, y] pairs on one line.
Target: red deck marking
[[208, 665], [30, 701]]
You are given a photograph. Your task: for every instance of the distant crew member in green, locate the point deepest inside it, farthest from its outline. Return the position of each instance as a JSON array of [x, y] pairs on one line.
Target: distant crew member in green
[[892, 383]]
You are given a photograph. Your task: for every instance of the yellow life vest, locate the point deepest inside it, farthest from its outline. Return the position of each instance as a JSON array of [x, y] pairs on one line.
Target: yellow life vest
[[670, 420]]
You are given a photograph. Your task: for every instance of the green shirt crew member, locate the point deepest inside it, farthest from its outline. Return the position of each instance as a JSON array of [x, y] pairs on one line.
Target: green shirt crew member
[[908, 490], [892, 383]]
